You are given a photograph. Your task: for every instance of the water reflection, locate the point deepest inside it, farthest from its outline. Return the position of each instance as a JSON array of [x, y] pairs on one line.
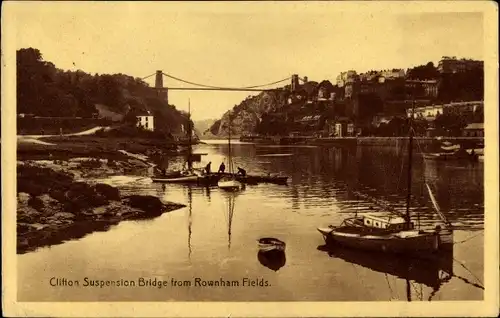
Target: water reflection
[[229, 200], [214, 234], [190, 219], [273, 260], [207, 193], [433, 271]]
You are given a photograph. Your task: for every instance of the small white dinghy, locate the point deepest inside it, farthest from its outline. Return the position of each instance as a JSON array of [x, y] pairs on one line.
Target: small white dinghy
[[268, 244], [229, 184]]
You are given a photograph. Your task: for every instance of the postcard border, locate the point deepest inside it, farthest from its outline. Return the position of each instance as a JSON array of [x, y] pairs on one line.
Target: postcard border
[[487, 307]]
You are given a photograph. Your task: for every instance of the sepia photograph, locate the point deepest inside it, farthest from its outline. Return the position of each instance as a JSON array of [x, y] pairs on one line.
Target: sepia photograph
[[275, 155]]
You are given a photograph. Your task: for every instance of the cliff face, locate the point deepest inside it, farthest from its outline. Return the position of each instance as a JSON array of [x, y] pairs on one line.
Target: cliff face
[[201, 126], [247, 114]]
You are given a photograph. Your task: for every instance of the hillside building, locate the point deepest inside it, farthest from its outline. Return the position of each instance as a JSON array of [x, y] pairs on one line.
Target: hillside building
[[474, 130], [346, 77], [430, 112], [428, 88], [427, 112], [326, 91], [453, 65], [339, 127], [145, 120]]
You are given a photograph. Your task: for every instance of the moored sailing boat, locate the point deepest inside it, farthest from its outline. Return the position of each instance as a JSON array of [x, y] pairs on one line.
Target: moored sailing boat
[[188, 175], [229, 182], [449, 151], [389, 233]]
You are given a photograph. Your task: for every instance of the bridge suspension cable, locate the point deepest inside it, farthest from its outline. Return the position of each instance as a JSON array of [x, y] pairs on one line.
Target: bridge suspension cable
[[224, 88], [143, 78]]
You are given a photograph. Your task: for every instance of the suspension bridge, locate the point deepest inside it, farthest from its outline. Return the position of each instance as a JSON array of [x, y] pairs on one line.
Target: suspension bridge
[[160, 88]]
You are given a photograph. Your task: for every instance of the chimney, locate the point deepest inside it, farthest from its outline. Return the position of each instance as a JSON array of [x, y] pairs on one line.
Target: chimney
[[305, 79]]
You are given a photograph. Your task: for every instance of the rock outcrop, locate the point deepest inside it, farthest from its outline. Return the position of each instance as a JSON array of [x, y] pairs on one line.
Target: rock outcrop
[[246, 115], [52, 207]]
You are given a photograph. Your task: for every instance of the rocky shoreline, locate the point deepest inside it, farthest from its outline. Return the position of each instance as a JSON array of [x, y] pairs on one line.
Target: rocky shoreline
[[54, 206]]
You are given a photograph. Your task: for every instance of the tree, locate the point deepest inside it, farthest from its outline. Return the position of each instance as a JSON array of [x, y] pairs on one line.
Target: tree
[[44, 90], [465, 86], [31, 72], [369, 105], [420, 126], [423, 72], [451, 123]]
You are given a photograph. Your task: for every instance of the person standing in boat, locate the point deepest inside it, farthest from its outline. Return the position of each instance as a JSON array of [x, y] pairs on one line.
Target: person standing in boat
[[207, 167], [242, 172], [222, 168], [161, 171]]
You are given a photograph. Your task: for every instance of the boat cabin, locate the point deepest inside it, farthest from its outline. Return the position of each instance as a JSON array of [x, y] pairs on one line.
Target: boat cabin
[[385, 222]]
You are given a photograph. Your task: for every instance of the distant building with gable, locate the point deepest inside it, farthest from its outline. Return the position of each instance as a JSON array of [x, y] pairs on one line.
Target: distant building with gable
[[449, 64], [430, 112], [145, 120], [474, 130], [346, 77]]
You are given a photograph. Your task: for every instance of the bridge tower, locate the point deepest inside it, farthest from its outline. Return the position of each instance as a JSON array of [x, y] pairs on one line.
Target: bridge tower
[[295, 82], [160, 90]]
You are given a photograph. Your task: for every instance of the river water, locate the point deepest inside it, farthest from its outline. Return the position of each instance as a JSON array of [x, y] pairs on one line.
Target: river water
[[214, 237]]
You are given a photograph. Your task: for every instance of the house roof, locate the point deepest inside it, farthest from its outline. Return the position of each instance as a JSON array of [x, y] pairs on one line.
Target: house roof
[[309, 87], [327, 85], [143, 113], [342, 119], [475, 126]]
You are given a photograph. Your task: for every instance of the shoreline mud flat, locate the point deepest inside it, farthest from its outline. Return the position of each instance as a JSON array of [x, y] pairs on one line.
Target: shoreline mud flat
[[53, 206]]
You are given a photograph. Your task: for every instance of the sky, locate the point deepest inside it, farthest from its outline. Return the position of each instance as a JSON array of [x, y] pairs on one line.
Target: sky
[[240, 44]]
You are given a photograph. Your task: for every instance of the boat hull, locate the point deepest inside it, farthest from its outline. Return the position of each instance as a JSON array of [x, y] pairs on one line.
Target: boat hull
[[409, 243], [203, 180], [177, 179], [269, 248], [230, 185], [268, 244], [255, 179]]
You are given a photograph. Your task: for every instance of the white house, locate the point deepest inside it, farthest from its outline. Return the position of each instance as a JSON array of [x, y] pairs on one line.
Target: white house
[[427, 112], [145, 120]]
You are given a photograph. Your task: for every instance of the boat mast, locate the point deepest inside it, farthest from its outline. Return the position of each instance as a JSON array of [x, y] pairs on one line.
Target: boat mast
[[190, 133], [229, 144], [190, 220], [230, 220], [410, 153]]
